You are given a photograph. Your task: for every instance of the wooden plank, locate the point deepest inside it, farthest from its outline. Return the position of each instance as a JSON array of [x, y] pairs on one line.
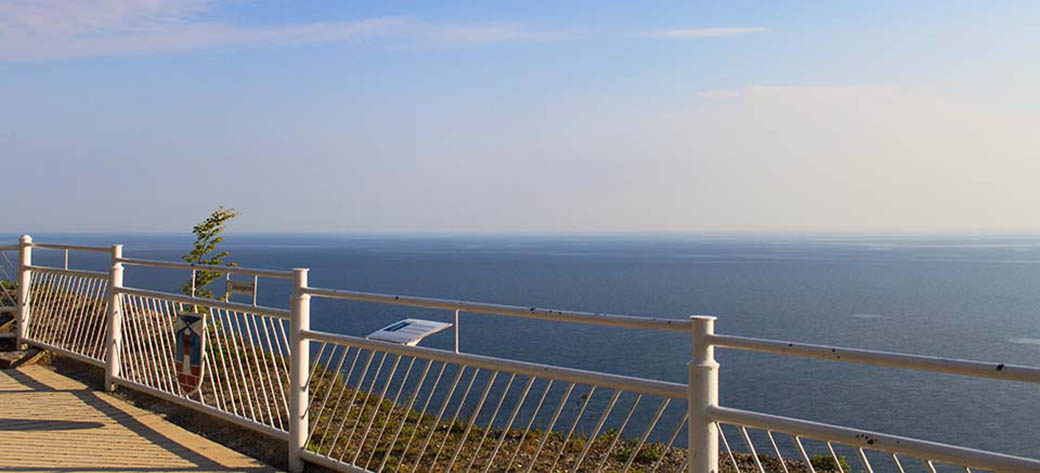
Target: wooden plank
[[51, 422]]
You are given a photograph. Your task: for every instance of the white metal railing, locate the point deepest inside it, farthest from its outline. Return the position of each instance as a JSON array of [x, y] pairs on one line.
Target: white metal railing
[[863, 440], [246, 360], [474, 413], [704, 402], [245, 373], [69, 306], [354, 404], [68, 312]]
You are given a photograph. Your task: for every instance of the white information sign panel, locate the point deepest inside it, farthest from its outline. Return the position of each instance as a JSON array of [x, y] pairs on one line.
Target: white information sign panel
[[408, 331]]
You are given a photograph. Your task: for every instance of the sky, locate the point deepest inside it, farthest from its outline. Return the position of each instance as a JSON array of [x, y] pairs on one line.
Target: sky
[[521, 117]]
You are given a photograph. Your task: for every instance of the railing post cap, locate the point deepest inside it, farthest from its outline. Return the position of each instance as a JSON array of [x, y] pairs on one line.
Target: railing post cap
[[300, 280], [696, 318], [25, 239]]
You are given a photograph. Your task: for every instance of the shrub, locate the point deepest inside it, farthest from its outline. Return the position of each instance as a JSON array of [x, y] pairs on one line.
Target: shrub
[[826, 463], [648, 454], [207, 237]]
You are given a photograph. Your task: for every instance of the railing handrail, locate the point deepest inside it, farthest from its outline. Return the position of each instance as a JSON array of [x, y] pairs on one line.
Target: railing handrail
[[980, 369], [9, 248], [60, 246], [266, 273], [628, 383], [252, 309], [72, 272], [626, 321], [936, 451]]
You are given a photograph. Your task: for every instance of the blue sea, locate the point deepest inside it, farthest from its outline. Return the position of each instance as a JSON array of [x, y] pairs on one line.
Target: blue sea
[[972, 297]]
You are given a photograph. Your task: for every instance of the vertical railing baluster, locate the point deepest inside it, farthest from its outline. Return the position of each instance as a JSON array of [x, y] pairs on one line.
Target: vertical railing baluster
[[866, 463], [491, 423], [834, 455], [805, 456], [776, 449], [646, 433]]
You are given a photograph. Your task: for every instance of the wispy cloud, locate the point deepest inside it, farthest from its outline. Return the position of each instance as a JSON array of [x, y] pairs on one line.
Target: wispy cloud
[[700, 32], [62, 29], [719, 93], [796, 91], [485, 33]]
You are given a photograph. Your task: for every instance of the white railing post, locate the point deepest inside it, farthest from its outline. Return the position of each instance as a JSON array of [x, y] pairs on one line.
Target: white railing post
[[24, 279], [114, 319], [299, 364], [703, 392], [456, 330]]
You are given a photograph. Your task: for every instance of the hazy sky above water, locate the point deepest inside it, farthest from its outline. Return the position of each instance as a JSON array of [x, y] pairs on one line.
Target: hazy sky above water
[[142, 115]]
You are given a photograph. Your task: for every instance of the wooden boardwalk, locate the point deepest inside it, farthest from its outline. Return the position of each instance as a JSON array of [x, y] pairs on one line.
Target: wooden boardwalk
[[49, 422]]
